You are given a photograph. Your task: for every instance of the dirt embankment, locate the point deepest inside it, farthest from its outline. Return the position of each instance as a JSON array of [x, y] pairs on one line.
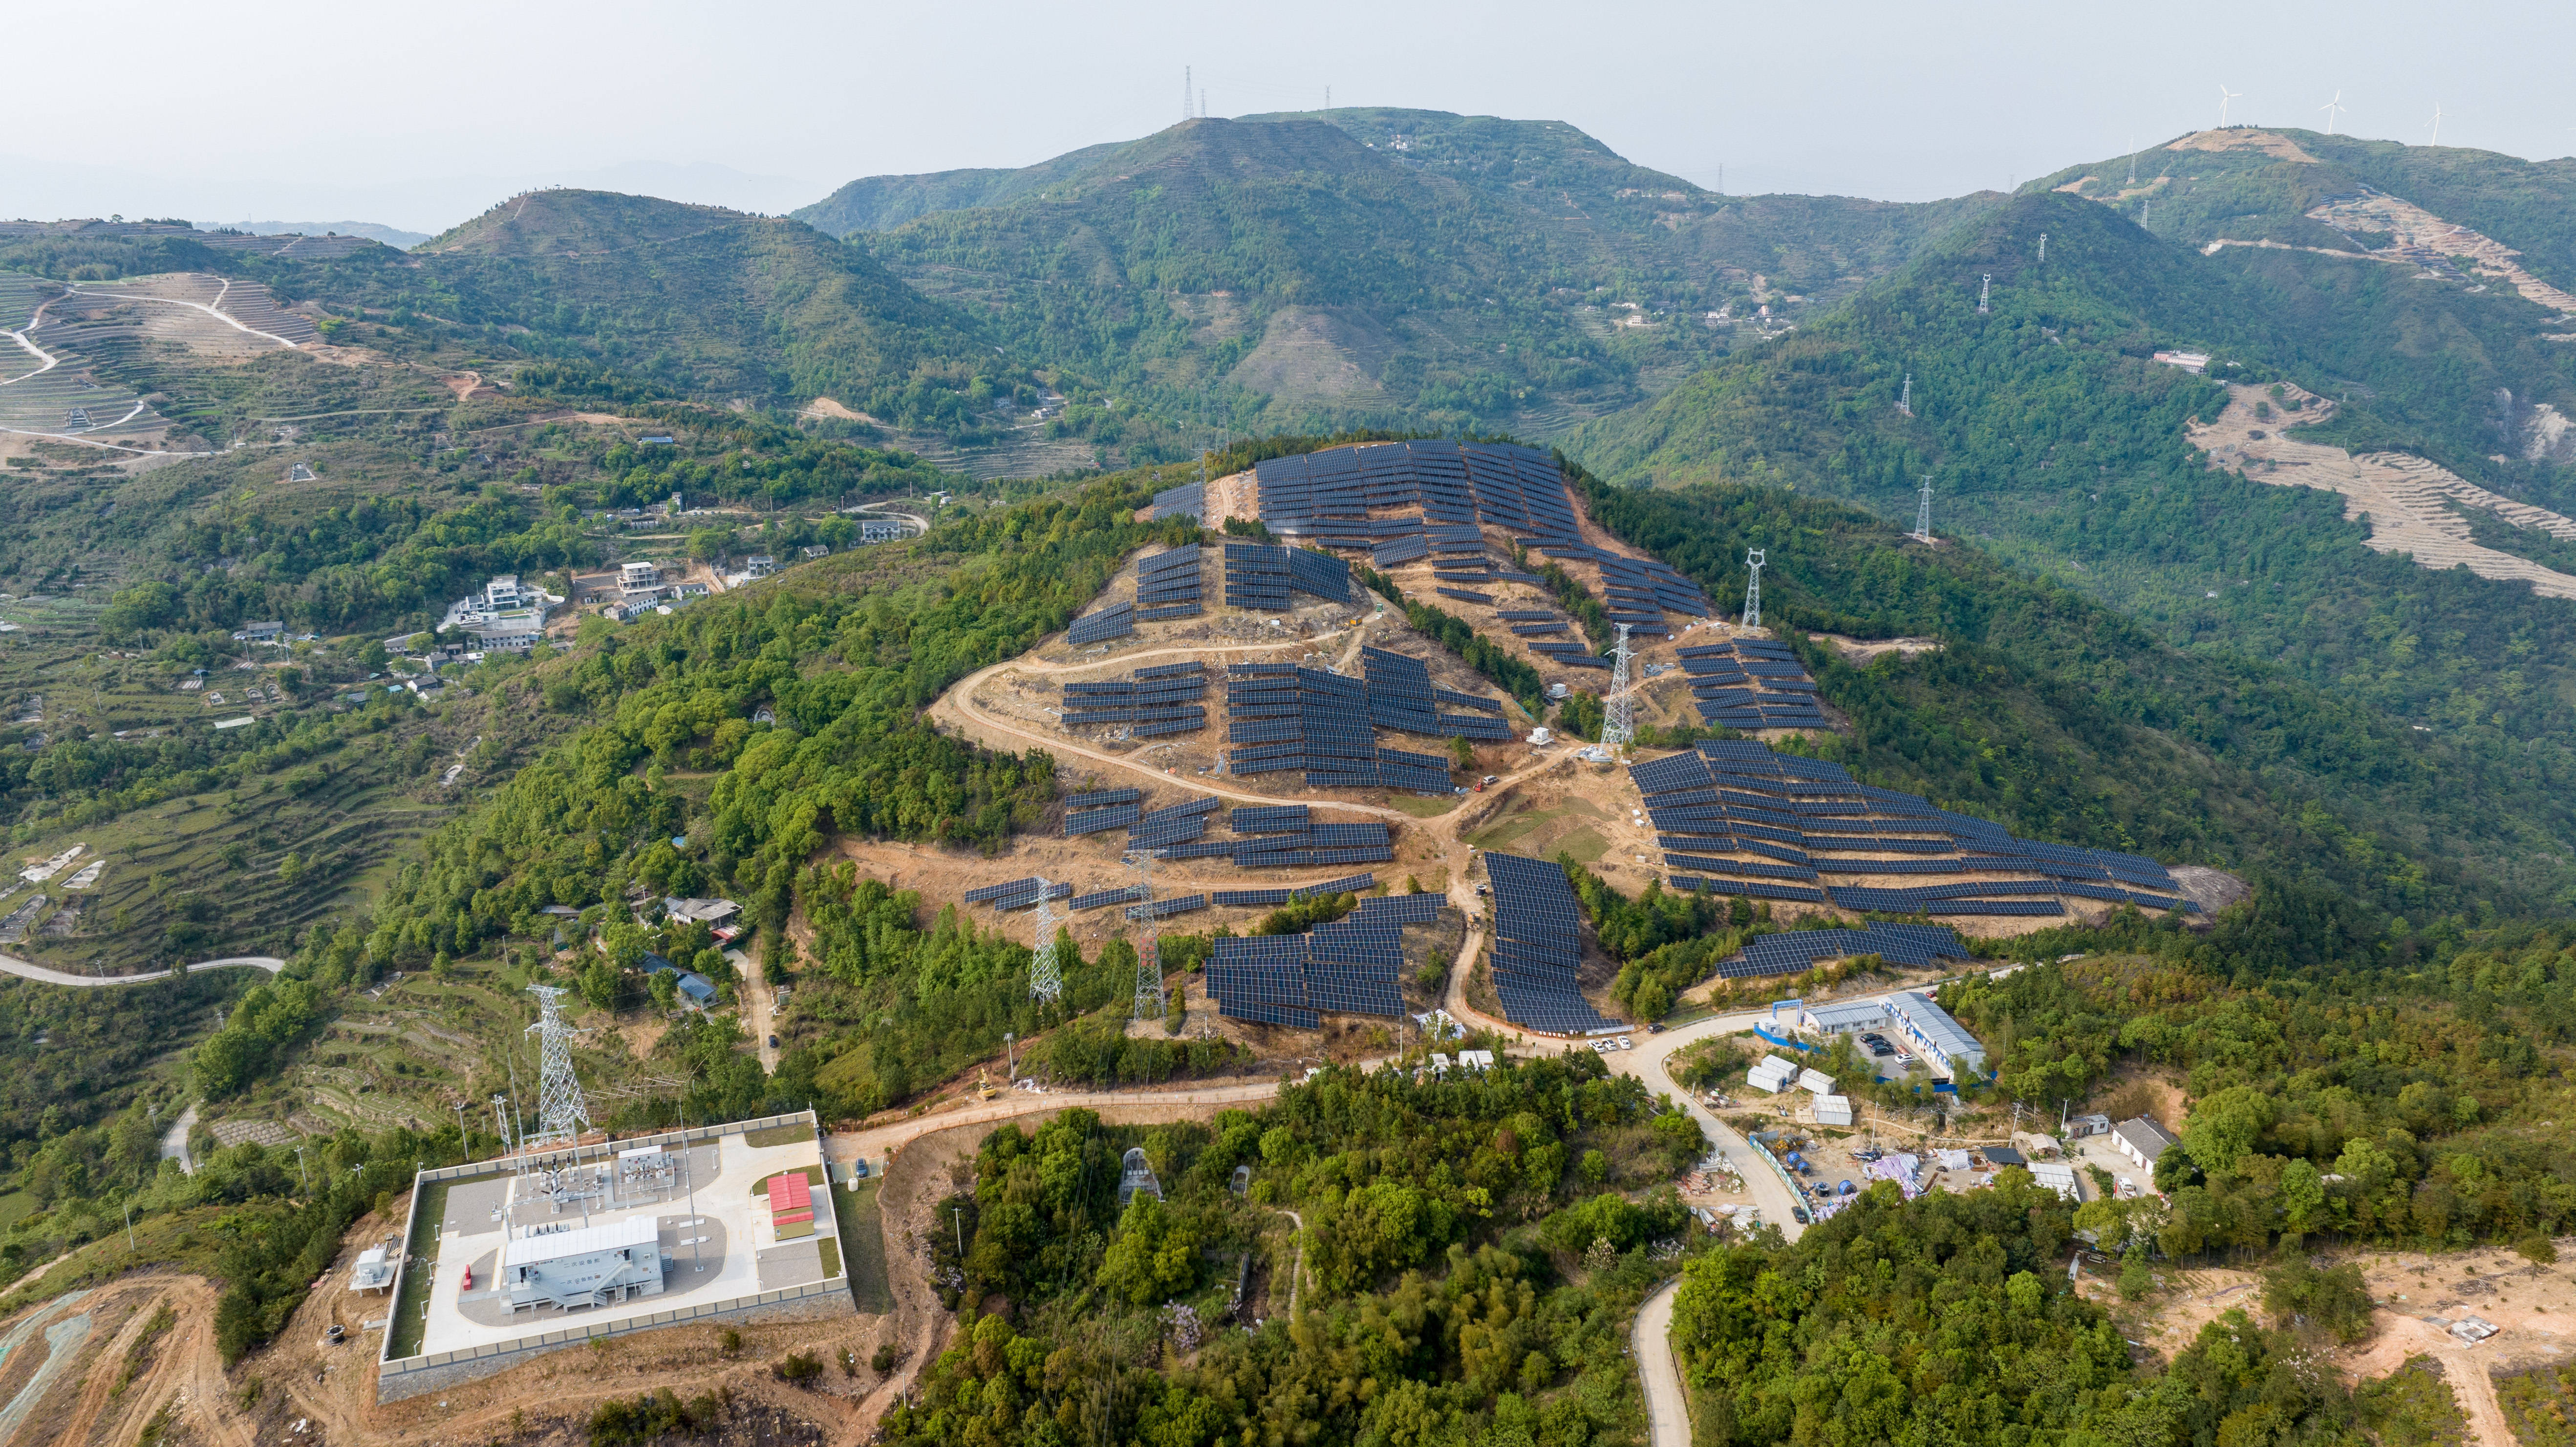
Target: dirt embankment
[[2412, 504]]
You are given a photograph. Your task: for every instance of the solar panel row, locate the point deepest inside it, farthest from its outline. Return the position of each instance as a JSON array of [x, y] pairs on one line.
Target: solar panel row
[[1117, 622]]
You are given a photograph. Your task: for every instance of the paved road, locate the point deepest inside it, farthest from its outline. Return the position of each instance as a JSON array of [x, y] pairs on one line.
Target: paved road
[[10, 964], [174, 1141], [1667, 1408], [1648, 1061]]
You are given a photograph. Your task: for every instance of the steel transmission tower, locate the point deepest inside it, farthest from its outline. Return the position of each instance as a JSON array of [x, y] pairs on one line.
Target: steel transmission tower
[[2043, 246], [1619, 722], [1923, 513], [1905, 399], [562, 1112], [1753, 588], [1985, 295], [1149, 963], [1046, 972]]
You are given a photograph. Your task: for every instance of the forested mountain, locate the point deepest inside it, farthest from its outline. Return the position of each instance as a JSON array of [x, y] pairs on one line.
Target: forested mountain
[[1403, 266], [2249, 184], [2049, 432]]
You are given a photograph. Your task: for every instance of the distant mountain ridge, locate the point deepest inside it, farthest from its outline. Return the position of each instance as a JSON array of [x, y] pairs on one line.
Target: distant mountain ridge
[[392, 236], [1390, 266]]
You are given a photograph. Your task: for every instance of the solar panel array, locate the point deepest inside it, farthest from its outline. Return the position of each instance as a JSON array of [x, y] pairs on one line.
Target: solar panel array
[[1750, 684], [1116, 621], [1102, 798], [1734, 817], [1189, 500], [1400, 697], [1166, 908], [1797, 951], [1107, 897], [1156, 701], [1015, 893], [1538, 948], [1261, 575], [1352, 965], [1320, 723]]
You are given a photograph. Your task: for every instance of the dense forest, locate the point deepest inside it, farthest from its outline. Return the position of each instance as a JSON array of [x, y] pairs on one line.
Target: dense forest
[[1471, 1246], [1947, 1318]]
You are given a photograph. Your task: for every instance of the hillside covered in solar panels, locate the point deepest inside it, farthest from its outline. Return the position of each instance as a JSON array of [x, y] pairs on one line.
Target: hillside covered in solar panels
[[1735, 817]]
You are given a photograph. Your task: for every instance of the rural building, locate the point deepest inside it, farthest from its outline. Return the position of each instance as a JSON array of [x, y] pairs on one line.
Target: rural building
[[1815, 1082], [1833, 1110], [261, 632], [633, 578], [2059, 1177], [816, 550], [702, 911], [881, 530], [514, 631], [503, 593], [1946, 1044], [697, 989], [583, 1267], [1849, 1018], [759, 566], [1771, 1075], [2141, 1140], [2084, 1125]]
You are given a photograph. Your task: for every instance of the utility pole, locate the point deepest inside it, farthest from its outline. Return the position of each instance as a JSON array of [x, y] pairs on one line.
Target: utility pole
[[130, 1248]]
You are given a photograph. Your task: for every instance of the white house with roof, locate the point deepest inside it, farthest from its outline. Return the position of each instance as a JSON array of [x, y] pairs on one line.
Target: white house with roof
[[2142, 1140], [504, 615], [1946, 1044], [1851, 1017]]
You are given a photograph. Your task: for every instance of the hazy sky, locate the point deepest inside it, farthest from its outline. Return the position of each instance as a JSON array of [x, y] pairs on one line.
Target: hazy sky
[[420, 116]]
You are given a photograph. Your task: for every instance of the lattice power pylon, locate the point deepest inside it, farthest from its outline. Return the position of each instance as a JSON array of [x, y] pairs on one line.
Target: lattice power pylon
[[1753, 588], [1149, 963], [1046, 972], [562, 1112], [1923, 514], [1619, 720], [1985, 295], [1905, 398]]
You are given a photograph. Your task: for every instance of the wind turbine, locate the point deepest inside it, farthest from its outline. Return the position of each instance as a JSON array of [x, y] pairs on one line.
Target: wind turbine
[[2437, 123], [2331, 108], [2224, 96]]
